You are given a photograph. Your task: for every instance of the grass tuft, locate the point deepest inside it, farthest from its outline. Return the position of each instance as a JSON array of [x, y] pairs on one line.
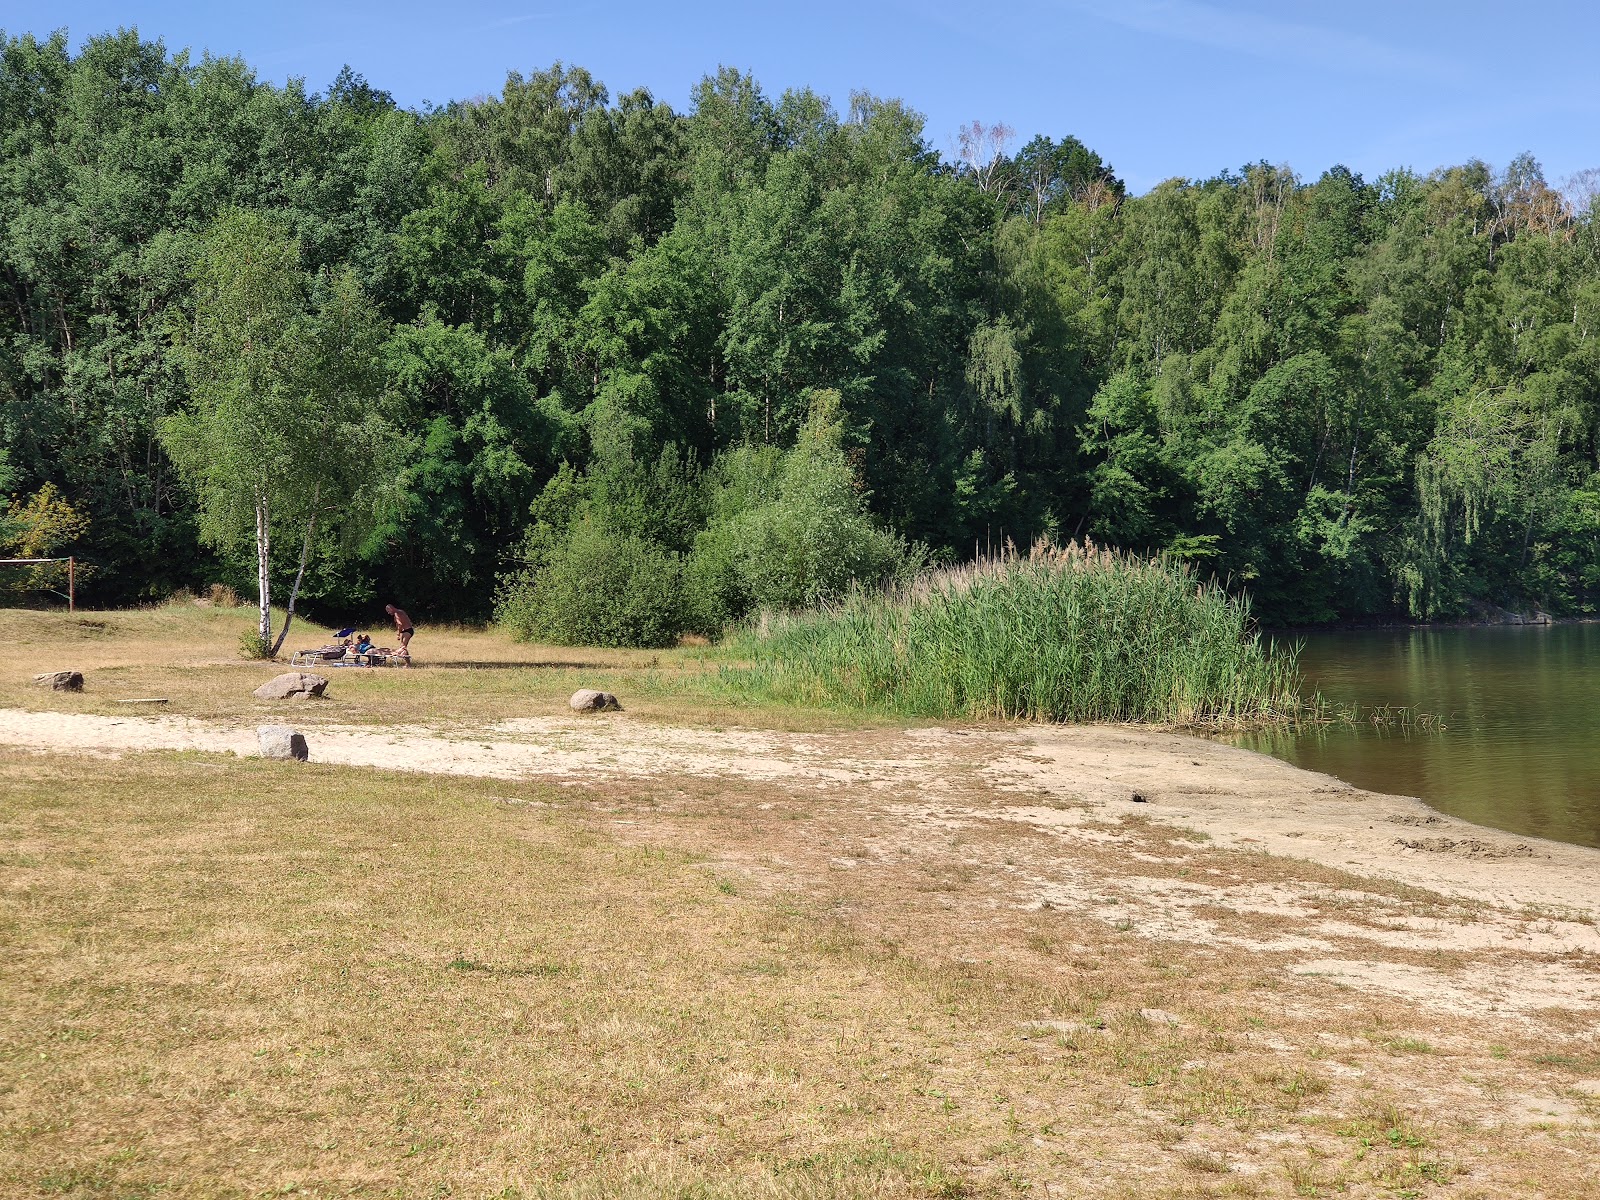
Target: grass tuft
[[1070, 633]]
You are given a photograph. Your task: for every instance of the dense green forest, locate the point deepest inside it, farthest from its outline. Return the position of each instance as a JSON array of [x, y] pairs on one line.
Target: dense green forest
[[692, 363]]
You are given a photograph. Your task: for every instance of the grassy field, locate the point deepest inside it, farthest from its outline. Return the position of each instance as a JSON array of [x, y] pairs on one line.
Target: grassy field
[[239, 979], [187, 654], [1061, 635], [233, 978]]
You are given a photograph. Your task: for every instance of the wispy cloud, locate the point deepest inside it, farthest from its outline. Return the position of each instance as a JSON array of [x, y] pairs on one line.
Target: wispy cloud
[[1261, 35], [508, 22]]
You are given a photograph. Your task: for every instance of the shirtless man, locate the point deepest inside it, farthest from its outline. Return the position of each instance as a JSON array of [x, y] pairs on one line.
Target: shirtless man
[[403, 629]]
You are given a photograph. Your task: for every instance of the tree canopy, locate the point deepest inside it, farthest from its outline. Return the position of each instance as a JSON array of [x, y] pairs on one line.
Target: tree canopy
[[593, 331]]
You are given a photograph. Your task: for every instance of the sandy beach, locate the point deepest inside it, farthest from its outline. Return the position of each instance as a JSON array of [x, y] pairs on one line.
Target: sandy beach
[[1067, 800]]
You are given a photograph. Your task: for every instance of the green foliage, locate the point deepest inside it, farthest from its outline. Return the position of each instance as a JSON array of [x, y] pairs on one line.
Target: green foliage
[[685, 551], [42, 526], [471, 471], [597, 587], [1355, 398], [253, 646], [790, 530], [601, 561], [236, 443], [1061, 635], [282, 432]]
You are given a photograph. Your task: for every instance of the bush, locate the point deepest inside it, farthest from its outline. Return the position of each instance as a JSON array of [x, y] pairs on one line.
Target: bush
[[604, 554], [1060, 635], [595, 587], [253, 646], [790, 530]]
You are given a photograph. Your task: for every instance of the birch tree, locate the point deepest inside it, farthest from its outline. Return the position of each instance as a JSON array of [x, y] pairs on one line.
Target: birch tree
[[283, 433]]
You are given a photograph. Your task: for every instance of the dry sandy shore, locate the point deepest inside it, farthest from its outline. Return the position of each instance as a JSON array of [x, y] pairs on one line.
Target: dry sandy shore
[[1524, 910]]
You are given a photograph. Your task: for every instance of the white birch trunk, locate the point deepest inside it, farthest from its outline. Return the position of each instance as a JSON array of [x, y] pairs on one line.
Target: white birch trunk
[[263, 559]]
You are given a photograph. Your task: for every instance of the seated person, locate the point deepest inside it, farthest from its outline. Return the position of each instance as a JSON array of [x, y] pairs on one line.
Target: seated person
[[363, 644]]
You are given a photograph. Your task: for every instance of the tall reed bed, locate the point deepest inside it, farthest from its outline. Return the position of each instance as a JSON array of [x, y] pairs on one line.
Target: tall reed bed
[[1071, 633]]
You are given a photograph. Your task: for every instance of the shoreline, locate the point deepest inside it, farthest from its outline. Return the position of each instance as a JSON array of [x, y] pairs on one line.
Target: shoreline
[[1509, 621], [1160, 835], [1237, 797], [1249, 799]]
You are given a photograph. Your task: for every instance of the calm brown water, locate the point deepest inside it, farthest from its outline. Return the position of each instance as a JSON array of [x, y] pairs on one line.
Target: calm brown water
[[1520, 750]]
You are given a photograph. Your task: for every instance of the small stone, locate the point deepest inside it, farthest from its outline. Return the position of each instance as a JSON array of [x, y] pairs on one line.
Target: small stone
[[589, 700], [279, 741], [61, 681], [292, 685]]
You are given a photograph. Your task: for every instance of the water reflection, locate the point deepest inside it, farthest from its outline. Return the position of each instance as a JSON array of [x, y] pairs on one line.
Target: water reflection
[[1518, 705]]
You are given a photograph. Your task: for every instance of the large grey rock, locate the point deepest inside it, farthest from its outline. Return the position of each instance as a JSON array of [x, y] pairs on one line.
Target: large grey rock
[[279, 741], [589, 700], [292, 685], [61, 681]]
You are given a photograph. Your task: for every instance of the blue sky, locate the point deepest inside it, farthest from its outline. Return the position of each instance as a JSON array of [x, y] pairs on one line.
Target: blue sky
[[1158, 87]]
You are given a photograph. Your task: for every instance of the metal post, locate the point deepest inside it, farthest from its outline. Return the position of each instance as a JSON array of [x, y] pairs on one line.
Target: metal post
[[72, 589]]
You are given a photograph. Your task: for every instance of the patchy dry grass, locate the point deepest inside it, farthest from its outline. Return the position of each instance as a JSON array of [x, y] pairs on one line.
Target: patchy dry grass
[[235, 978], [229, 978], [188, 654], [226, 977]]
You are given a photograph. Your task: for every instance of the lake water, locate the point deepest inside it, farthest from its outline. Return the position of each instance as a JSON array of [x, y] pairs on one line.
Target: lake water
[[1520, 749]]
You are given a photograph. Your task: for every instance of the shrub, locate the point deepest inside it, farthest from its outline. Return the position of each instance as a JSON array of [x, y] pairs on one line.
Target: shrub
[[790, 530], [596, 587], [253, 646], [1063, 634], [42, 526], [604, 559]]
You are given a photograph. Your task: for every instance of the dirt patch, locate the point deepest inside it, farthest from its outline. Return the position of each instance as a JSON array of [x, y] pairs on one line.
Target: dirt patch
[[1162, 836], [972, 980], [1415, 819]]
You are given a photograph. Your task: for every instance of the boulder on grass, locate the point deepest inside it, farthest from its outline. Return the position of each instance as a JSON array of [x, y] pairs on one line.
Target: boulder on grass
[[589, 700], [292, 685], [61, 681], [279, 741]]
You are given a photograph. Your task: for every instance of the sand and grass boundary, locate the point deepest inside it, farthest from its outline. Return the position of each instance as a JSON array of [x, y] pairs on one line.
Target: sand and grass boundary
[[737, 951]]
